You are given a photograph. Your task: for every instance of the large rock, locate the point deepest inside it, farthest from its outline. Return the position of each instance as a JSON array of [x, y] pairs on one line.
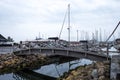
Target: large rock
[[94, 73], [101, 71], [101, 78], [1, 67]]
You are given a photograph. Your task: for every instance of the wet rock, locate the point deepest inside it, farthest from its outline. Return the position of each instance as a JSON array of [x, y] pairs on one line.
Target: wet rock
[[101, 71], [101, 78], [69, 77], [106, 62], [1, 67], [11, 61], [94, 73], [74, 73]]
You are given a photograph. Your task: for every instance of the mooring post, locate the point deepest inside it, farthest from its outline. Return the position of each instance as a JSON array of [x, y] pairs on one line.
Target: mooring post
[[85, 54], [20, 46], [29, 48], [67, 52], [52, 50], [13, 47], [40, 50], [107, 51]]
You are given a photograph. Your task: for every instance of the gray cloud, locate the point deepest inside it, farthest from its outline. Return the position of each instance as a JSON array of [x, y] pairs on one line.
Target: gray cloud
[[19, 17]]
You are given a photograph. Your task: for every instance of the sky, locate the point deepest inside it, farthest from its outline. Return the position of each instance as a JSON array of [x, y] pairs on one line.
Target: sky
[[27, 19]]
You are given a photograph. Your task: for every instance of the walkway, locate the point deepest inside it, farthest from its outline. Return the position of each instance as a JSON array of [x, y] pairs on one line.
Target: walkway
[[65, 52]]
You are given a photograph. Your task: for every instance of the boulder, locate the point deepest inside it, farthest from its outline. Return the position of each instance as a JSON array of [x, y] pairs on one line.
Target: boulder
[[1, 67], [101, 71], [94, 73], [101, 78]]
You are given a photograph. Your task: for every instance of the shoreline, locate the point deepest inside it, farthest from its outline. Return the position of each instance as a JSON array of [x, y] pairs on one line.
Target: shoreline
[[10, 62], [94, 71]]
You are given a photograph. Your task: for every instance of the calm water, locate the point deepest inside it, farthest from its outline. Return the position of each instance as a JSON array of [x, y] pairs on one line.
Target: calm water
[[4, 50], [52, 70]]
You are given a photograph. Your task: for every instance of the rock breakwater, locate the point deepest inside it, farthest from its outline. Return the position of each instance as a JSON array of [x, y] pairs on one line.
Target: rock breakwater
[[94, 71], [11, 62]]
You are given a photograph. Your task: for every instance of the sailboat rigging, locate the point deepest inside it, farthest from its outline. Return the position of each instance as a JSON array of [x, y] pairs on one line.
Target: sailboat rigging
[[68, 10]]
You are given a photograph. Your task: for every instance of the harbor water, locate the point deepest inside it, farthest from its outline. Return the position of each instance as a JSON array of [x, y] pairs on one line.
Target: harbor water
[[54, 70]]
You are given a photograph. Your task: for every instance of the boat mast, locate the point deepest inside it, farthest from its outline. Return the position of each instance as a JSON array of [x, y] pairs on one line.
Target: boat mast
[[69, 23], [100, 34], [77, 35]]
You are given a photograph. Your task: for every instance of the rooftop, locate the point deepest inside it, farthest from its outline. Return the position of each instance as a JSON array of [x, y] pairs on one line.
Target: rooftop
[[2, 38]]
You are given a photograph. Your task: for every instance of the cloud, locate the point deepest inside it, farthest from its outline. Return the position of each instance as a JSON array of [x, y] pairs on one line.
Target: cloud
[[46, 16]]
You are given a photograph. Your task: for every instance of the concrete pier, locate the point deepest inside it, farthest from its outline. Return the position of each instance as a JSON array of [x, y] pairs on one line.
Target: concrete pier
[[115, 67]]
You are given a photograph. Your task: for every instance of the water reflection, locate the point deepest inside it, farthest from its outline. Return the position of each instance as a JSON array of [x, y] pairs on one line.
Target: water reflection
[[7, 77], [30, 75], [47, 72], [56, 70]]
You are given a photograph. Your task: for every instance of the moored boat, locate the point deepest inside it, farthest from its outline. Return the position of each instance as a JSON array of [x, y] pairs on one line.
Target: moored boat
[[117, 44]]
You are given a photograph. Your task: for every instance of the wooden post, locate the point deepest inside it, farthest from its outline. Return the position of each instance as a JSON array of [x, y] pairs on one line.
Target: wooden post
[[67, 52], [20, 47], [69, 66], [52, 50], [40, 50], [29, 48], [12, 47], [85, 54], [107, 51]]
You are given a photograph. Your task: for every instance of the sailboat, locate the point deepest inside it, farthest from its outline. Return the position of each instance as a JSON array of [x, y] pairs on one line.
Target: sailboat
[[117, 44]]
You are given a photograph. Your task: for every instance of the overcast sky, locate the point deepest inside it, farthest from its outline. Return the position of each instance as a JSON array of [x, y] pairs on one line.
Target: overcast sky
[[25, 19]]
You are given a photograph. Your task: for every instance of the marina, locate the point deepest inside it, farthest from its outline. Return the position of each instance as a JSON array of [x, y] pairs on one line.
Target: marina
[[24, 56], [59, 50], [85, 47]]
